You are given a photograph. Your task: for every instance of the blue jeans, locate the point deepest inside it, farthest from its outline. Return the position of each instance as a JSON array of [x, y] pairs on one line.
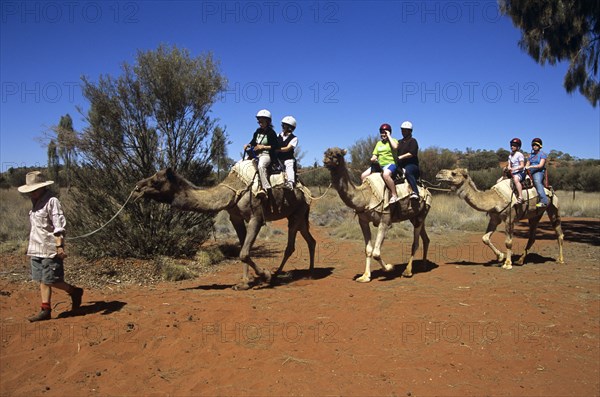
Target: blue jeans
[[411, 172], [538, 182]]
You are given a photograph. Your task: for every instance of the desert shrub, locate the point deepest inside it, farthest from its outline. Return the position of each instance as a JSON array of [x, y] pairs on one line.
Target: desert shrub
[[14, 212], [314, 176], [154, 115], [434, 159], [485, 179]]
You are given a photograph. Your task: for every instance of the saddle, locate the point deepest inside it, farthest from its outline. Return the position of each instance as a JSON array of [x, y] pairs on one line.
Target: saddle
[[506, 189], [246, 171], [381, 193]]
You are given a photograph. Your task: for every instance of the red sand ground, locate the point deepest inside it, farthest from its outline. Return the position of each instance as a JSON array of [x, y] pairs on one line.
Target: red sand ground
[[459, 327]]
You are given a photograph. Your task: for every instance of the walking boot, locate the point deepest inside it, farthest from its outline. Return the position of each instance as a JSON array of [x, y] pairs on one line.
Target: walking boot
[[44, 314]]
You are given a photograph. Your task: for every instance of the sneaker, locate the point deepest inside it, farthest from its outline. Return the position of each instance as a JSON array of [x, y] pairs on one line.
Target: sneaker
[[414, 196], [394, 199], [76, 298], [44, 314], [541, 205]]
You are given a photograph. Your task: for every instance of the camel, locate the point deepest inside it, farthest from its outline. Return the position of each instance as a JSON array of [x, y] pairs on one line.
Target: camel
[[500, 205], [361, 199], [235, 196]]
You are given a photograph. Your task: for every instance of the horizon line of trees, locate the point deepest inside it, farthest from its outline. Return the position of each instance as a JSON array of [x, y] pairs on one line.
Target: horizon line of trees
[[565, 172]]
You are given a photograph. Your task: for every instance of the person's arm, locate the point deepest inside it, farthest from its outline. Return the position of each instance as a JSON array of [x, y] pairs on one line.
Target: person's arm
[[393, 142], [59, 222], [413, 148], [290, 146], [542, 163]]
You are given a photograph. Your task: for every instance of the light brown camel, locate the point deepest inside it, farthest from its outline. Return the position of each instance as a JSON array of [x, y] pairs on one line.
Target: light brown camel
[[361, 199], [501, 208], [234, 195]]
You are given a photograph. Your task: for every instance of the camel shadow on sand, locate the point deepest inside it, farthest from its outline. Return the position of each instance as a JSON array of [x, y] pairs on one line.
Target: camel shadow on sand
[[576, 230], [285, 278], [268, 253], [532, 259], [418, 267], [102, 307]]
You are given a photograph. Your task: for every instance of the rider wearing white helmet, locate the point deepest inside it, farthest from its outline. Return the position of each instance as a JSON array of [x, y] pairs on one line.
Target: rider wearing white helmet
[[408, 150], [287, 143], [264, 146]]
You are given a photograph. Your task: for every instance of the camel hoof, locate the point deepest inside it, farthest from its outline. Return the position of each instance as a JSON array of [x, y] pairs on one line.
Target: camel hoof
[[266, 276], [363, 279], [241, 287], [407, 274], [507, 266], [388, 267]]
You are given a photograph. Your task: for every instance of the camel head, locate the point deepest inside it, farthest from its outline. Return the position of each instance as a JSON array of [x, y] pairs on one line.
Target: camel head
[[334, 158], [161, 186], [454, 177]]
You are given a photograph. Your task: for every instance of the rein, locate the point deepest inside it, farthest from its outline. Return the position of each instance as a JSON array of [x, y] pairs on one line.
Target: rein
[[109, 221]]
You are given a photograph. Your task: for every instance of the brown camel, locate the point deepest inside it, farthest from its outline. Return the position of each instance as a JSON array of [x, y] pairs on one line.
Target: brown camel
[[370, 209], [235, 196], [500, 205]]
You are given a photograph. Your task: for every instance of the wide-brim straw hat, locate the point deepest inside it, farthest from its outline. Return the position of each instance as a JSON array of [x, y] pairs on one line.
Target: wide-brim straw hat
[[33, 181]]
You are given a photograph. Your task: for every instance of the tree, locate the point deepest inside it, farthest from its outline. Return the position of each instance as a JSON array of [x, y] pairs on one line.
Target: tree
[[360, 155], [561, 30], [66, 143], [218, 151], [434, 159], [53, 161], [154, 115]]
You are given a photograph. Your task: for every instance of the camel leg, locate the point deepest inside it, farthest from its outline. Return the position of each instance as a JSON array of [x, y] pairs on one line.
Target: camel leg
[[554, 216], [508, 242], [417, 227], [487, 237], [291, 243], [425, 239], [533, 223], [381, 232], [366, 231], [239, 226], [312, 244], [254, 227]]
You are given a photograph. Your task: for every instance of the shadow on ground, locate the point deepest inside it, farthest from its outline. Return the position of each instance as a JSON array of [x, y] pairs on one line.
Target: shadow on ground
[[532, 259], [418, 267], [101, 307], [576, 230]]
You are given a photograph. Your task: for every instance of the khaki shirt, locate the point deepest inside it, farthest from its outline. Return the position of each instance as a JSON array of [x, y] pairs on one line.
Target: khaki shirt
[[47, 221]]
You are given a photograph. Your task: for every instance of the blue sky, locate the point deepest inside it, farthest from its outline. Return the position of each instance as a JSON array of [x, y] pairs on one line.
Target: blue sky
[[341, 68]]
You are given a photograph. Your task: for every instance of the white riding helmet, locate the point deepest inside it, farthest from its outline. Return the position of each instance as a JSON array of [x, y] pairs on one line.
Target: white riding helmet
[[289, 120], [263, 113], [407, 125]]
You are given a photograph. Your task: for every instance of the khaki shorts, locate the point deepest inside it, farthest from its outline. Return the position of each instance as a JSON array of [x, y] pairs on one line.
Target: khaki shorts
[[47, 270]]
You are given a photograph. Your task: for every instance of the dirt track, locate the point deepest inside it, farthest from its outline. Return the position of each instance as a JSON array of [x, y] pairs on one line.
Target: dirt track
[[458, 327]]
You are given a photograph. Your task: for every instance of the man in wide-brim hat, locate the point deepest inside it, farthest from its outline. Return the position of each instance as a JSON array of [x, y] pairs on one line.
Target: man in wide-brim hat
[[47, 243]]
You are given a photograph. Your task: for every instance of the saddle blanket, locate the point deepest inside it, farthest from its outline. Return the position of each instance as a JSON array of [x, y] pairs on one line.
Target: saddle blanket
[[246, 170], [504, 189], [381, 193]]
